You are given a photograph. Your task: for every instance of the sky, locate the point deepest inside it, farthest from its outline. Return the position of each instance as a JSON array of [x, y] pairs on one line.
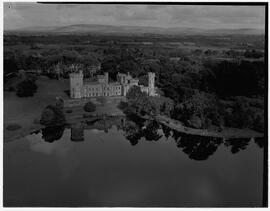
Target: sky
[[31, 14]]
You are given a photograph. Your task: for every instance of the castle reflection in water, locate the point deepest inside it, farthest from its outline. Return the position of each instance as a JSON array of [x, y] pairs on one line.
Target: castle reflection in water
[[100, 123]]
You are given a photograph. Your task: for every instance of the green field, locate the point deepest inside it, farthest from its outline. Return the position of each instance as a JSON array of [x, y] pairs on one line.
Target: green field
[[26, 111]]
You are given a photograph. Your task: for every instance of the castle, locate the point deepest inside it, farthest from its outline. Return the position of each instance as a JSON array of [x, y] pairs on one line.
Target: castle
[[80, 88]]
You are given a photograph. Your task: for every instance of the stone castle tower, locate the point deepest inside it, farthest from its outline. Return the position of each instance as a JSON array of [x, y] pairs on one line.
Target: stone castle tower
[[76, 85], [151, 84], [106, 77]]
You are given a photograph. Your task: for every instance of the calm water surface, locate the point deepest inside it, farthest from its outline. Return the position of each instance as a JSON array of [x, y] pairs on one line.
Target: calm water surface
[[131, 165]]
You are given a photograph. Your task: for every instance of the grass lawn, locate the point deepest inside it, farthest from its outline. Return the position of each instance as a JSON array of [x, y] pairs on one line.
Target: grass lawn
[[25, 110], [108, 107]]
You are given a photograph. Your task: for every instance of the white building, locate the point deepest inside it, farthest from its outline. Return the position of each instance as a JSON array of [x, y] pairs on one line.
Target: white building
[[80, 88]]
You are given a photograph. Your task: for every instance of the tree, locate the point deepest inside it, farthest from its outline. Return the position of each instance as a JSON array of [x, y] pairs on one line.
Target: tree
[[110, 65], [162, 104], [237, 144], [52, 116], [242, 115], [130, 66], [200, 111], [26, 88], [10, 66], [59, 103], [134, 93], [140, 103], [198, 147]]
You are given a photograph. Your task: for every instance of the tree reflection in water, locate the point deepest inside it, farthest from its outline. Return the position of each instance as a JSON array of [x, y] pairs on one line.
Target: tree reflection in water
[[136, 128], [237, 144], [261, 142], [133, 132], [51, 134], [166, 131], [150, 132], [197, 147]]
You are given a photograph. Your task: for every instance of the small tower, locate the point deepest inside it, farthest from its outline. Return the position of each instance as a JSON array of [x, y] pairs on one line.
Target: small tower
[[106, 77], [151, 84], [76, 84]]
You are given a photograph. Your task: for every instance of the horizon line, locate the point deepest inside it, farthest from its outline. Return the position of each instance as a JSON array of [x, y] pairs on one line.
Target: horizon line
[[146, 26]]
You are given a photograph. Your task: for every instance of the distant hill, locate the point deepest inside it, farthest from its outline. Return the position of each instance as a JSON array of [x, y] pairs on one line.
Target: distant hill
[[130, 30]]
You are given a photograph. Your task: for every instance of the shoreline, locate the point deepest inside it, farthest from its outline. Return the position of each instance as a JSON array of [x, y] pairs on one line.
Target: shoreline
[[226, 133], [20, 134], [78, 115]]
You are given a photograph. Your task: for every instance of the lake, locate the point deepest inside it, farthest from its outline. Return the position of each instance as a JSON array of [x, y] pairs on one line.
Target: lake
[[122, 162]]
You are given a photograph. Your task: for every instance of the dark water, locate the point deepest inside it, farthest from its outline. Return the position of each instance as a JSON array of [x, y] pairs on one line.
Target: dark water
[[123, 163]]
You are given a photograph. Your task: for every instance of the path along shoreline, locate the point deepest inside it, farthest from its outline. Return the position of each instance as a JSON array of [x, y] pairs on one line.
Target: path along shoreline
[[226, 133]]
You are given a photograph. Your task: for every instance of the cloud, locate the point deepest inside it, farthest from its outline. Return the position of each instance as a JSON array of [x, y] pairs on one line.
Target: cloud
[[218, 15], [18, 15], [66, 6], [134, 13]]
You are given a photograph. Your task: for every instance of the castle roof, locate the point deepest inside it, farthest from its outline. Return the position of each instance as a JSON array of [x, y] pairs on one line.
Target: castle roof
[[114, 83], [100, 76], [91, 83]]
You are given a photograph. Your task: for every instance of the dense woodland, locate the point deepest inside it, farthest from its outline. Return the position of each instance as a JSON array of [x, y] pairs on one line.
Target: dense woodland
[[202, 83]]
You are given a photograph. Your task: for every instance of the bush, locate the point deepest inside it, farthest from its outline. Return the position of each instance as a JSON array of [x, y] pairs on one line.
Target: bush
[[59, 103], [134, 93], [102, 100], [89, 107], [52, 116], [13, 127], [26, 88]]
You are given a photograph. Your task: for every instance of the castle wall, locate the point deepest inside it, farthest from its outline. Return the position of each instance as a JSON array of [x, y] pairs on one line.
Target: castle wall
[[76, 85], [151, 84], [92, 90], [103, 88], [112, 89]]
